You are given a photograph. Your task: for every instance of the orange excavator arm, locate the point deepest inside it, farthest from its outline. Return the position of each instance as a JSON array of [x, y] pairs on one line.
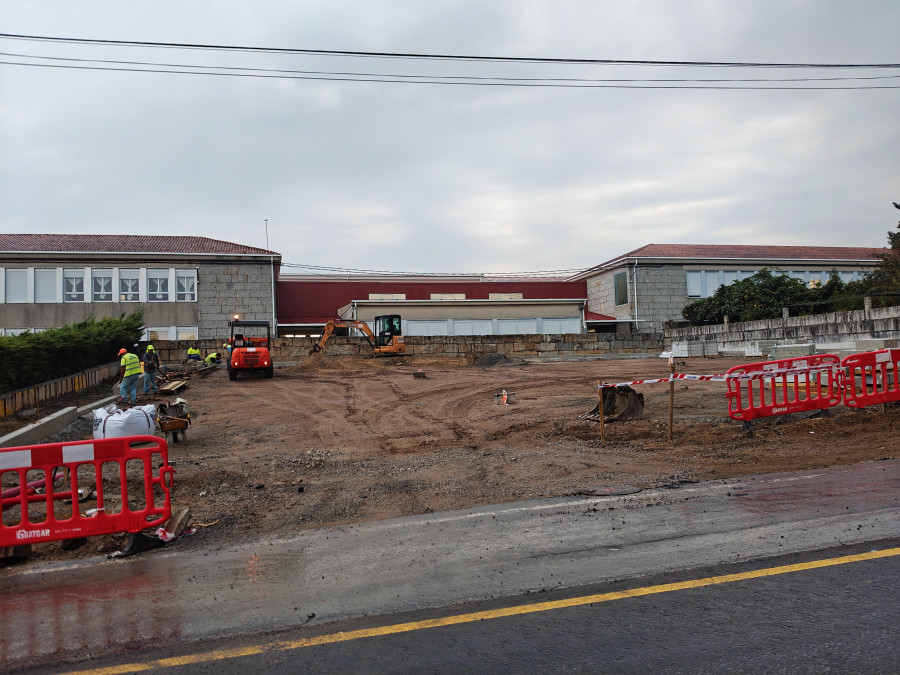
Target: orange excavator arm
[[341, 323]]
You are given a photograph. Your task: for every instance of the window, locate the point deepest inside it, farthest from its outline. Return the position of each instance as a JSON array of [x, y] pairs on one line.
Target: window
[[158, 285], [505, 296], [155, 334], [186, 333], [46, 285], [101, 285], [186, 285], [620, 281], [694, 284], [16, 285], [387, 296], [73, 285], [448, 296], [129, 285], [729, 277]]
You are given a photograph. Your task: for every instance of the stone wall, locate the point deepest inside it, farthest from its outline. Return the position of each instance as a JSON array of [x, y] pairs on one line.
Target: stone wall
[[547, 346], [834, 330], [226, 289], [660, 293]]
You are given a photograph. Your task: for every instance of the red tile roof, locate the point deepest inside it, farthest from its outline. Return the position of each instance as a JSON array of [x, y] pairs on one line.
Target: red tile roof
[[593, 316], [122, 243]]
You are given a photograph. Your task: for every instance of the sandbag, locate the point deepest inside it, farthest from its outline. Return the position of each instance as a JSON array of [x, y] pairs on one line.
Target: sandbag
[[111, 422]]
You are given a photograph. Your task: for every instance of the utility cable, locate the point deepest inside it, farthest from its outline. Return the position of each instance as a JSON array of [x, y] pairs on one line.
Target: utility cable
[[395, 80], [340, 74], [442, 57]]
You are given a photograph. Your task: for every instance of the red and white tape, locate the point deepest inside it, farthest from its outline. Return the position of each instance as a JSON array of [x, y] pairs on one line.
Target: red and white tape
[[724, 377]]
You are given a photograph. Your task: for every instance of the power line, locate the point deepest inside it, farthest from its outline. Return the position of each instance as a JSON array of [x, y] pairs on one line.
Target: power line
[[470, 83], [342, 74], [321, 269], [441, 57]]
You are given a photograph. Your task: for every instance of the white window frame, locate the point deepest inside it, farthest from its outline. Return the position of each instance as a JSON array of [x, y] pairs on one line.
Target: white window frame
[[99, 274], [129, 274], [186, 295], [76, 275], [387, 296], [506, 296], [156, 279], [17, 279], [41, 272], [186, 332], [448, 296]]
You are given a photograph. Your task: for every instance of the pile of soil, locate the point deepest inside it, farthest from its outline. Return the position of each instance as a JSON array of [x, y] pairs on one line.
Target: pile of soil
[[340, 440]]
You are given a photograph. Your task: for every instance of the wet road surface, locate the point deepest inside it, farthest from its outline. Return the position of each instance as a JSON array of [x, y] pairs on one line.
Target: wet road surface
[[54, 612]]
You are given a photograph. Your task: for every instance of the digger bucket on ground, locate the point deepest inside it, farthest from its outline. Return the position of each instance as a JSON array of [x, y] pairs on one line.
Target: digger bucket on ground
[[619, 404]]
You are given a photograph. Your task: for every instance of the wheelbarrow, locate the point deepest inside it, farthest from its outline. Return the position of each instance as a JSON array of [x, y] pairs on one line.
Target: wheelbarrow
[[174, 419]]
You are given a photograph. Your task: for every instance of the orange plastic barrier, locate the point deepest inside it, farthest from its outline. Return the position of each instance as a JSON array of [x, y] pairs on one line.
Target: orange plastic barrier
[[878, 381], [131, 475], [785, 386]]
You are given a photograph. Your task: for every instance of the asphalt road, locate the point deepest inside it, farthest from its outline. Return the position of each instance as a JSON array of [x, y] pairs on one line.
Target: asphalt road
[[184, 600]]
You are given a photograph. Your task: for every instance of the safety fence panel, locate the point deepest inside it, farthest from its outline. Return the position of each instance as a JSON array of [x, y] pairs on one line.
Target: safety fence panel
[[871, 378], [785, 386], [45, 487]]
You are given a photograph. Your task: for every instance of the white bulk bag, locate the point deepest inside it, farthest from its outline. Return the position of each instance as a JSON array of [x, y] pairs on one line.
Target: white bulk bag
[[110, 422]]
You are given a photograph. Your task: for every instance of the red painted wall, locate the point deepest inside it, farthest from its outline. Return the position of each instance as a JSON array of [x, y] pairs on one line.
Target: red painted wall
[[315, 302]]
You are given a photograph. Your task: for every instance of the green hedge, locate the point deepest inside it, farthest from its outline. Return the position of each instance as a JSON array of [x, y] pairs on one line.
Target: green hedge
[[32, 358]]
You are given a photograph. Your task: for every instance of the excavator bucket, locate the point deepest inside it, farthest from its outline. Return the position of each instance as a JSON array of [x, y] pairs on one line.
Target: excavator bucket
[[619, 404]]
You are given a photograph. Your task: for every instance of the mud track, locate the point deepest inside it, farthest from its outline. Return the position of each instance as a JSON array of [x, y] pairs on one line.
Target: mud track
[[341, 440]]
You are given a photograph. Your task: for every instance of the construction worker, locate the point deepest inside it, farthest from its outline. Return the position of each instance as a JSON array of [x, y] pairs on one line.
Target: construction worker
[[151, 366], [227, 348], [129, 372], [194, 353], [213, 358]]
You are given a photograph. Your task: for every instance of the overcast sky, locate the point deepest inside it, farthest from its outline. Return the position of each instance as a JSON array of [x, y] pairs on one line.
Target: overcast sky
[[459, 178]]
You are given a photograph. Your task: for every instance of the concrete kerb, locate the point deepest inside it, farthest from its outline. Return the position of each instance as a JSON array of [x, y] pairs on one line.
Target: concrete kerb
[[37, 432]]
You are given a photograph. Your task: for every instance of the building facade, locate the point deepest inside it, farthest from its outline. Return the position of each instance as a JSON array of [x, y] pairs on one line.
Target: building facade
[[188, 287], [433, 305], [191, 287], [648, 287]]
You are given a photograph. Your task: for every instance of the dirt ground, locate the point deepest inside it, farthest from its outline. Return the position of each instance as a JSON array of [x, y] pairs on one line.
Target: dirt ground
[[343, 440]]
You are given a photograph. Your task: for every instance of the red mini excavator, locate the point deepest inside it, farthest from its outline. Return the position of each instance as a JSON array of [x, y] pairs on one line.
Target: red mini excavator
[[250, 354]]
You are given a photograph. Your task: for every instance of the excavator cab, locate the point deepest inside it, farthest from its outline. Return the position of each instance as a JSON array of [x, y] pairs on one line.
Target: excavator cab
[[386, 328]]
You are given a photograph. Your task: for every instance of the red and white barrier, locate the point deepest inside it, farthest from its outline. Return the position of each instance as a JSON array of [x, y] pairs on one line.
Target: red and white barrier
[[135, 495], [871, 378]]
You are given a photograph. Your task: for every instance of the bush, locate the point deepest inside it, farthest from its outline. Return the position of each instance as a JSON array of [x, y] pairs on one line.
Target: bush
[[32, 358], [764, 295]]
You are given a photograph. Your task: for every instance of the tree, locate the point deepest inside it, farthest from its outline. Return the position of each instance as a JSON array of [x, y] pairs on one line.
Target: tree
[[883, 283], [760, 296]]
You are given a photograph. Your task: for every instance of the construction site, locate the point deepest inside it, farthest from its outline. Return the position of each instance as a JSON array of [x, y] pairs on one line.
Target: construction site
[[337, 440]]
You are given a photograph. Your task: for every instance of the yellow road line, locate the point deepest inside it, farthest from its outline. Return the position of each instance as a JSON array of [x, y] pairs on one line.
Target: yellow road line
[[221, 654]]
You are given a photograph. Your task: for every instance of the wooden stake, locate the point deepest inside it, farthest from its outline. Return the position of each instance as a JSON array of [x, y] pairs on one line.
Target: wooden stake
[[600, 390], [671, 395]]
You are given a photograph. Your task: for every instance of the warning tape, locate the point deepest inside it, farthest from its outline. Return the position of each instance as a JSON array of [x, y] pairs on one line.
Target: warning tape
[[724, 377]]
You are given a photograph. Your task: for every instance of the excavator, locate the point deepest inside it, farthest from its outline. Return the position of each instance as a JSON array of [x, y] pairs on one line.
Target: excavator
[[387, 340]]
